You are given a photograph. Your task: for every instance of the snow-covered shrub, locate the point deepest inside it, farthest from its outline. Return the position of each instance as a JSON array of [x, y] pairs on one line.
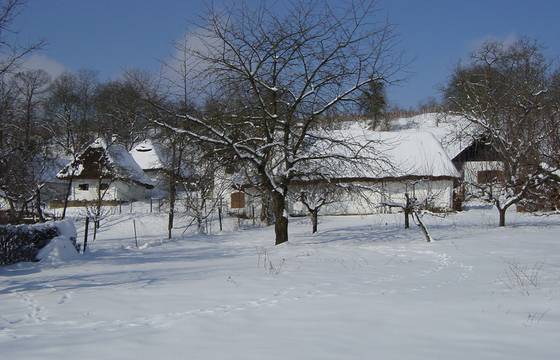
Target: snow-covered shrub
[[24, 242]]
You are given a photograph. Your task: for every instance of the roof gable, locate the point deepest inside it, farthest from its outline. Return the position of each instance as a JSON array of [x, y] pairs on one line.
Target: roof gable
[[100, 159]]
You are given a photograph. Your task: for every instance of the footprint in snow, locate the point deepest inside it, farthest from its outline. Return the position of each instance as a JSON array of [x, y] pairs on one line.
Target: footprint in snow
[[67, 297], [35, 312]]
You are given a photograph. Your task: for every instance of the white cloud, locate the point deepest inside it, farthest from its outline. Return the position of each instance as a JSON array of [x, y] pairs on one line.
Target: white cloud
[[37, 61], [185, 62], [197, 41]]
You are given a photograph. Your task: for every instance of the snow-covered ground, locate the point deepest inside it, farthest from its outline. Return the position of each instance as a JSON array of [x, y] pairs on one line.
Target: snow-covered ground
[[362, 288]]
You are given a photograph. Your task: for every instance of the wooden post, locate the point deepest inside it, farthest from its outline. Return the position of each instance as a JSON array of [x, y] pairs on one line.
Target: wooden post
[[131, 207], [120, 207], [135, 237], [151, 205], [86, 234]]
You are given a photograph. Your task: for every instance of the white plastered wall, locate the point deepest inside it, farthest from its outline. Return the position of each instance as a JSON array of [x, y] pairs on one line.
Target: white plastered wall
[[118, 190], [372, 196]]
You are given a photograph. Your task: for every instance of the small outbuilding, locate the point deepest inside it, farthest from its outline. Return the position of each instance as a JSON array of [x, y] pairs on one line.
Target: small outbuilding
[[156, 162]]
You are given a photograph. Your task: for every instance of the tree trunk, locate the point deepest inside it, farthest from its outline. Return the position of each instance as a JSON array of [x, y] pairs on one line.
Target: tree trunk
[[199, 225], [86, 228], [98, 208], [423, 228], [266, 215], [280, 217], [502, 216], [407, 210], [314, 220], [38, 206], [171, 215], [220, 214], [406, 218], [68, 191]]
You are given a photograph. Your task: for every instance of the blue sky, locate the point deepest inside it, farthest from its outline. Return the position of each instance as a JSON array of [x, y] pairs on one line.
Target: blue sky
[[109, 36]]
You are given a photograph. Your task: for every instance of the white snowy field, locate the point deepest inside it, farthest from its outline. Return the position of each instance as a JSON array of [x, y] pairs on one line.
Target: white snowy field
[[362, 288]]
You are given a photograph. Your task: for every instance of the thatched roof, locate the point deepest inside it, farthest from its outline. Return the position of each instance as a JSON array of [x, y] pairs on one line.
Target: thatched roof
[[377, 155], [111, 161]]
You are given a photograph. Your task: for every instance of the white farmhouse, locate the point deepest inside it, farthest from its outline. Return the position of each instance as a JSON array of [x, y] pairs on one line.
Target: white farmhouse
[[106, 171]]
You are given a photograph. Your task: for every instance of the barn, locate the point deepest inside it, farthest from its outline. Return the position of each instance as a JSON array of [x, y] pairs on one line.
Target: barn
[[105, 171], [398, 163], [474, 158]]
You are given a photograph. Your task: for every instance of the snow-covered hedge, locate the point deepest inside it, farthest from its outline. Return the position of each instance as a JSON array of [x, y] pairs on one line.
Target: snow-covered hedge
[[35, 242]]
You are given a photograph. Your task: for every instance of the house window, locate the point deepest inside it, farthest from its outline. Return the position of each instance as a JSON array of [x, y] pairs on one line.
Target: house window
[[237, 200], [103, 186], [489, 176], [83, 187]]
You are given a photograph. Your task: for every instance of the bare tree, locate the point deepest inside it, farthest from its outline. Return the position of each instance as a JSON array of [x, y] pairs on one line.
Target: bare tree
[[176, 147], [31, 86], [7, 109], [94, 210], [175, 98], [204, 191], [287, 72], [122, 112], [315, 196], [24, 172], [416, 203], [12, 53], [551, 147], [70, 116], [503, 93]]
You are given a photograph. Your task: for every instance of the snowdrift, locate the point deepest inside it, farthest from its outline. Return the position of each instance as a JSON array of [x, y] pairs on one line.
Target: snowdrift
[[55, 241]]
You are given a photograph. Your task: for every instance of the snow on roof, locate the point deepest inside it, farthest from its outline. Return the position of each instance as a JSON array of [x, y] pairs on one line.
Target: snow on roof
[[418, 153], [148, 155], [455, 133], [117, 162], [382, 154], [152, 156]]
